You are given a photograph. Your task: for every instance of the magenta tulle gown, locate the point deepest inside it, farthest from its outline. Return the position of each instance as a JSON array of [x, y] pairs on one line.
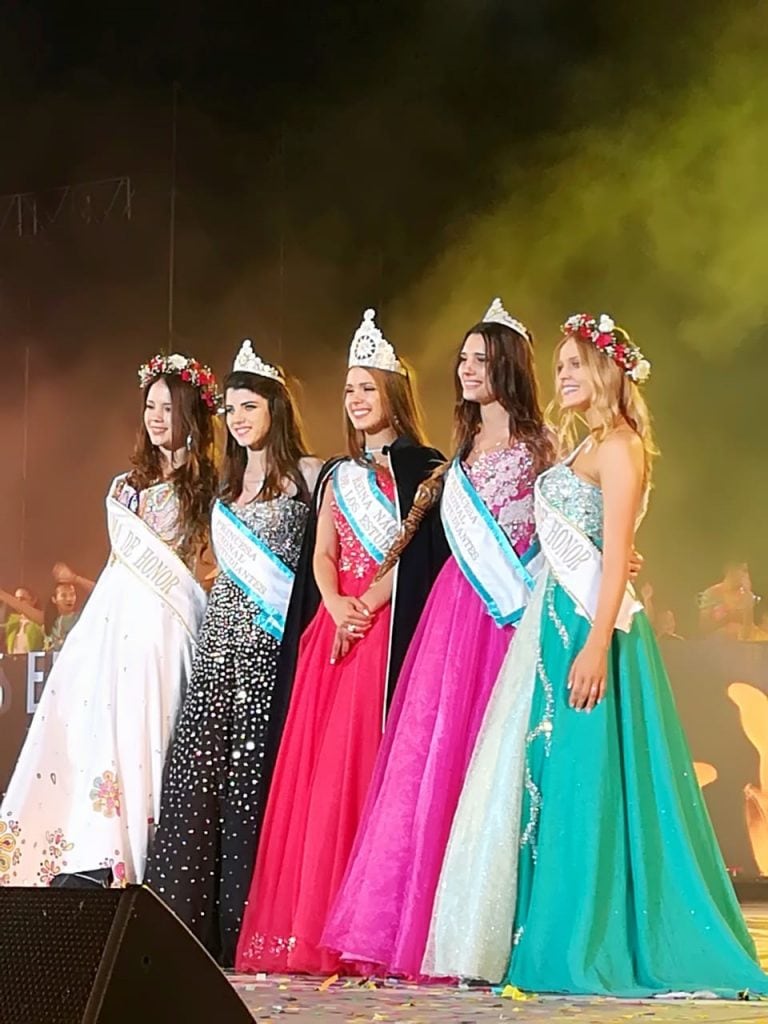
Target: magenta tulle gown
[[326, 757], [383, 909]]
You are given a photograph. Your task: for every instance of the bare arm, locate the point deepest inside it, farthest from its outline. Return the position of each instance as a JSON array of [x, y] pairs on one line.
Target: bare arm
[[326, 552], [712, 617], [620, 463], [206, 567], [33, 614], [63, 574], [379, 594], [646, 593], [376, 597]]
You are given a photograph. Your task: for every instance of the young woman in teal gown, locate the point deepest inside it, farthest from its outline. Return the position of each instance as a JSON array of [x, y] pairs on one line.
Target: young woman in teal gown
[[582, 859]]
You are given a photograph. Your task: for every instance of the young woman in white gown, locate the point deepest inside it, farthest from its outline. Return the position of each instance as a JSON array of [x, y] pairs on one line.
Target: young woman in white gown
[[86, 790]]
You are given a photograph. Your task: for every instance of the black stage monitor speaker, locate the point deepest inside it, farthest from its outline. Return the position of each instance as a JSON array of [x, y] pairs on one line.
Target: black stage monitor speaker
[[105, 956]]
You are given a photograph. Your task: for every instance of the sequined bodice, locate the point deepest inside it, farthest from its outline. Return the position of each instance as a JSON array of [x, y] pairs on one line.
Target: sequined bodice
[[504, 480], [578, 500], [353, 558], [280, 523]]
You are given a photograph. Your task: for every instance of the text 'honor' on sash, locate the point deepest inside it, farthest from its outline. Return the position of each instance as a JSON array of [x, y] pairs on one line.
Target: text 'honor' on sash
[[139, 548], [133, 547], [577, 562]]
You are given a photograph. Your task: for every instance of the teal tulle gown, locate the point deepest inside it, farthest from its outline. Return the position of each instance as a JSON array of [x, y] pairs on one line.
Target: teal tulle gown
[[582, 859]]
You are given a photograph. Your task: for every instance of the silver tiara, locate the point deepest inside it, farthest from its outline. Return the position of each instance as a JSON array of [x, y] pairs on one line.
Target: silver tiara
[[496, 314], [247, 361], [370, 348]]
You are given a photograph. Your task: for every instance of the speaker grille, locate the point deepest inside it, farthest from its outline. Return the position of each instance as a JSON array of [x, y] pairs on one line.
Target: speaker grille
[[51, 944]]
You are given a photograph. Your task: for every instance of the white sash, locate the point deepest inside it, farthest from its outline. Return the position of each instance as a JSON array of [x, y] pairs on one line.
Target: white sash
[[140, 550], [370, 513], [254, 567], [576, 562], [483, 551]]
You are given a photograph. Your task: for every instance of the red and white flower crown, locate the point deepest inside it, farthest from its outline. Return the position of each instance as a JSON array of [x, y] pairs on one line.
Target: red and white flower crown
[[613, 341], [188, 369]]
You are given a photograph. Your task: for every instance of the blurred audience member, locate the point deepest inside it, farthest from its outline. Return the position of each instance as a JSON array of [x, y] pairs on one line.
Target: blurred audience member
[[664, 623], [63, 613], [728, 608], [666, 626], [23, 629], [646, 592]]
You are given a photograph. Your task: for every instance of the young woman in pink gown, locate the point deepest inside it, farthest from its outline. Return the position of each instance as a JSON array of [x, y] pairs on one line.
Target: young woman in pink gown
[[382, 912], [334, 722]]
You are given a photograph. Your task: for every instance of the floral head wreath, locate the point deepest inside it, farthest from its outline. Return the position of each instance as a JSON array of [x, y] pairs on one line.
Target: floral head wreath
[[190, 370], [613, 341]]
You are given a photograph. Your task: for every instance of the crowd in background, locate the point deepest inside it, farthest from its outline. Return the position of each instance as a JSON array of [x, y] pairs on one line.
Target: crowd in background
[[27, 625], [729, 608]]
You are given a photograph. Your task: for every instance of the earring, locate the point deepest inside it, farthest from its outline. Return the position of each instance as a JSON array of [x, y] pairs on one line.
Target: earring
[[189, 442]]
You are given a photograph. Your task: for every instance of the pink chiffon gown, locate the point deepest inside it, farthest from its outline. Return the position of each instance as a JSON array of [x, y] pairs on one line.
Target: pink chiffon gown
[[324, 764], [383, 909]]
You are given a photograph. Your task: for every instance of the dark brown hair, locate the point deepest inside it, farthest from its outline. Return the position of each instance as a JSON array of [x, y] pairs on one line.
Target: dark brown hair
[[285, 445], [33, 599], [194, 481], [400, 406], [513, 383]]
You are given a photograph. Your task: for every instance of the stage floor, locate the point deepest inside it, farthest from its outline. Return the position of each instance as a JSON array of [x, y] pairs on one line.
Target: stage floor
[[283, 999]]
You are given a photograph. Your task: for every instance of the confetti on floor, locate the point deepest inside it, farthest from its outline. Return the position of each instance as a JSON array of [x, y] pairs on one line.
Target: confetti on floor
[[295, 1000]]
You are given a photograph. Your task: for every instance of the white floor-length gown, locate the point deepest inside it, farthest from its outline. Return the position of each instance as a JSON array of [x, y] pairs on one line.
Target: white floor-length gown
[[86, 789]]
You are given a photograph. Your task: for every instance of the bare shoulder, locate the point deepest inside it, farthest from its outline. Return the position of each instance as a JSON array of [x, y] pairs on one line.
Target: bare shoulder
[[621, 456], [622, 442]]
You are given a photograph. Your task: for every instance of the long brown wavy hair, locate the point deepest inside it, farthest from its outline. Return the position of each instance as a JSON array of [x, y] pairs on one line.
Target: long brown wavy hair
[[285, 444], [513, 383], [195, 480], [615, 397], [399, 404]]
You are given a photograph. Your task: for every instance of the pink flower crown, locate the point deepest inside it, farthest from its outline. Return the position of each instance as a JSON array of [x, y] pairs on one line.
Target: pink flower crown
[[611, 340], [190, 370]]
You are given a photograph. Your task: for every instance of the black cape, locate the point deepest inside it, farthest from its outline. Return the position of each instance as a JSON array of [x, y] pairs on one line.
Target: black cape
[[420, 563]]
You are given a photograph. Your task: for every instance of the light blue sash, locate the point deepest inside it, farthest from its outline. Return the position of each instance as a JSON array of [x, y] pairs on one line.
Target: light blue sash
[[370, 513], [483, 551], [257, 570]]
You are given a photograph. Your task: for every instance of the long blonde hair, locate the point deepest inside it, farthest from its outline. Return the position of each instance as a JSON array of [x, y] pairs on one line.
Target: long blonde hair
[[615, 397]]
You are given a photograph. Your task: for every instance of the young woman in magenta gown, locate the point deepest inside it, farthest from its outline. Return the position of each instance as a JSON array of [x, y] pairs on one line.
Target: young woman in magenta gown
[[382, 912]]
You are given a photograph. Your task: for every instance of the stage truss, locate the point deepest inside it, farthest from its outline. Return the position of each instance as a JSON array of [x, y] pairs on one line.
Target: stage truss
[[29, 214]]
